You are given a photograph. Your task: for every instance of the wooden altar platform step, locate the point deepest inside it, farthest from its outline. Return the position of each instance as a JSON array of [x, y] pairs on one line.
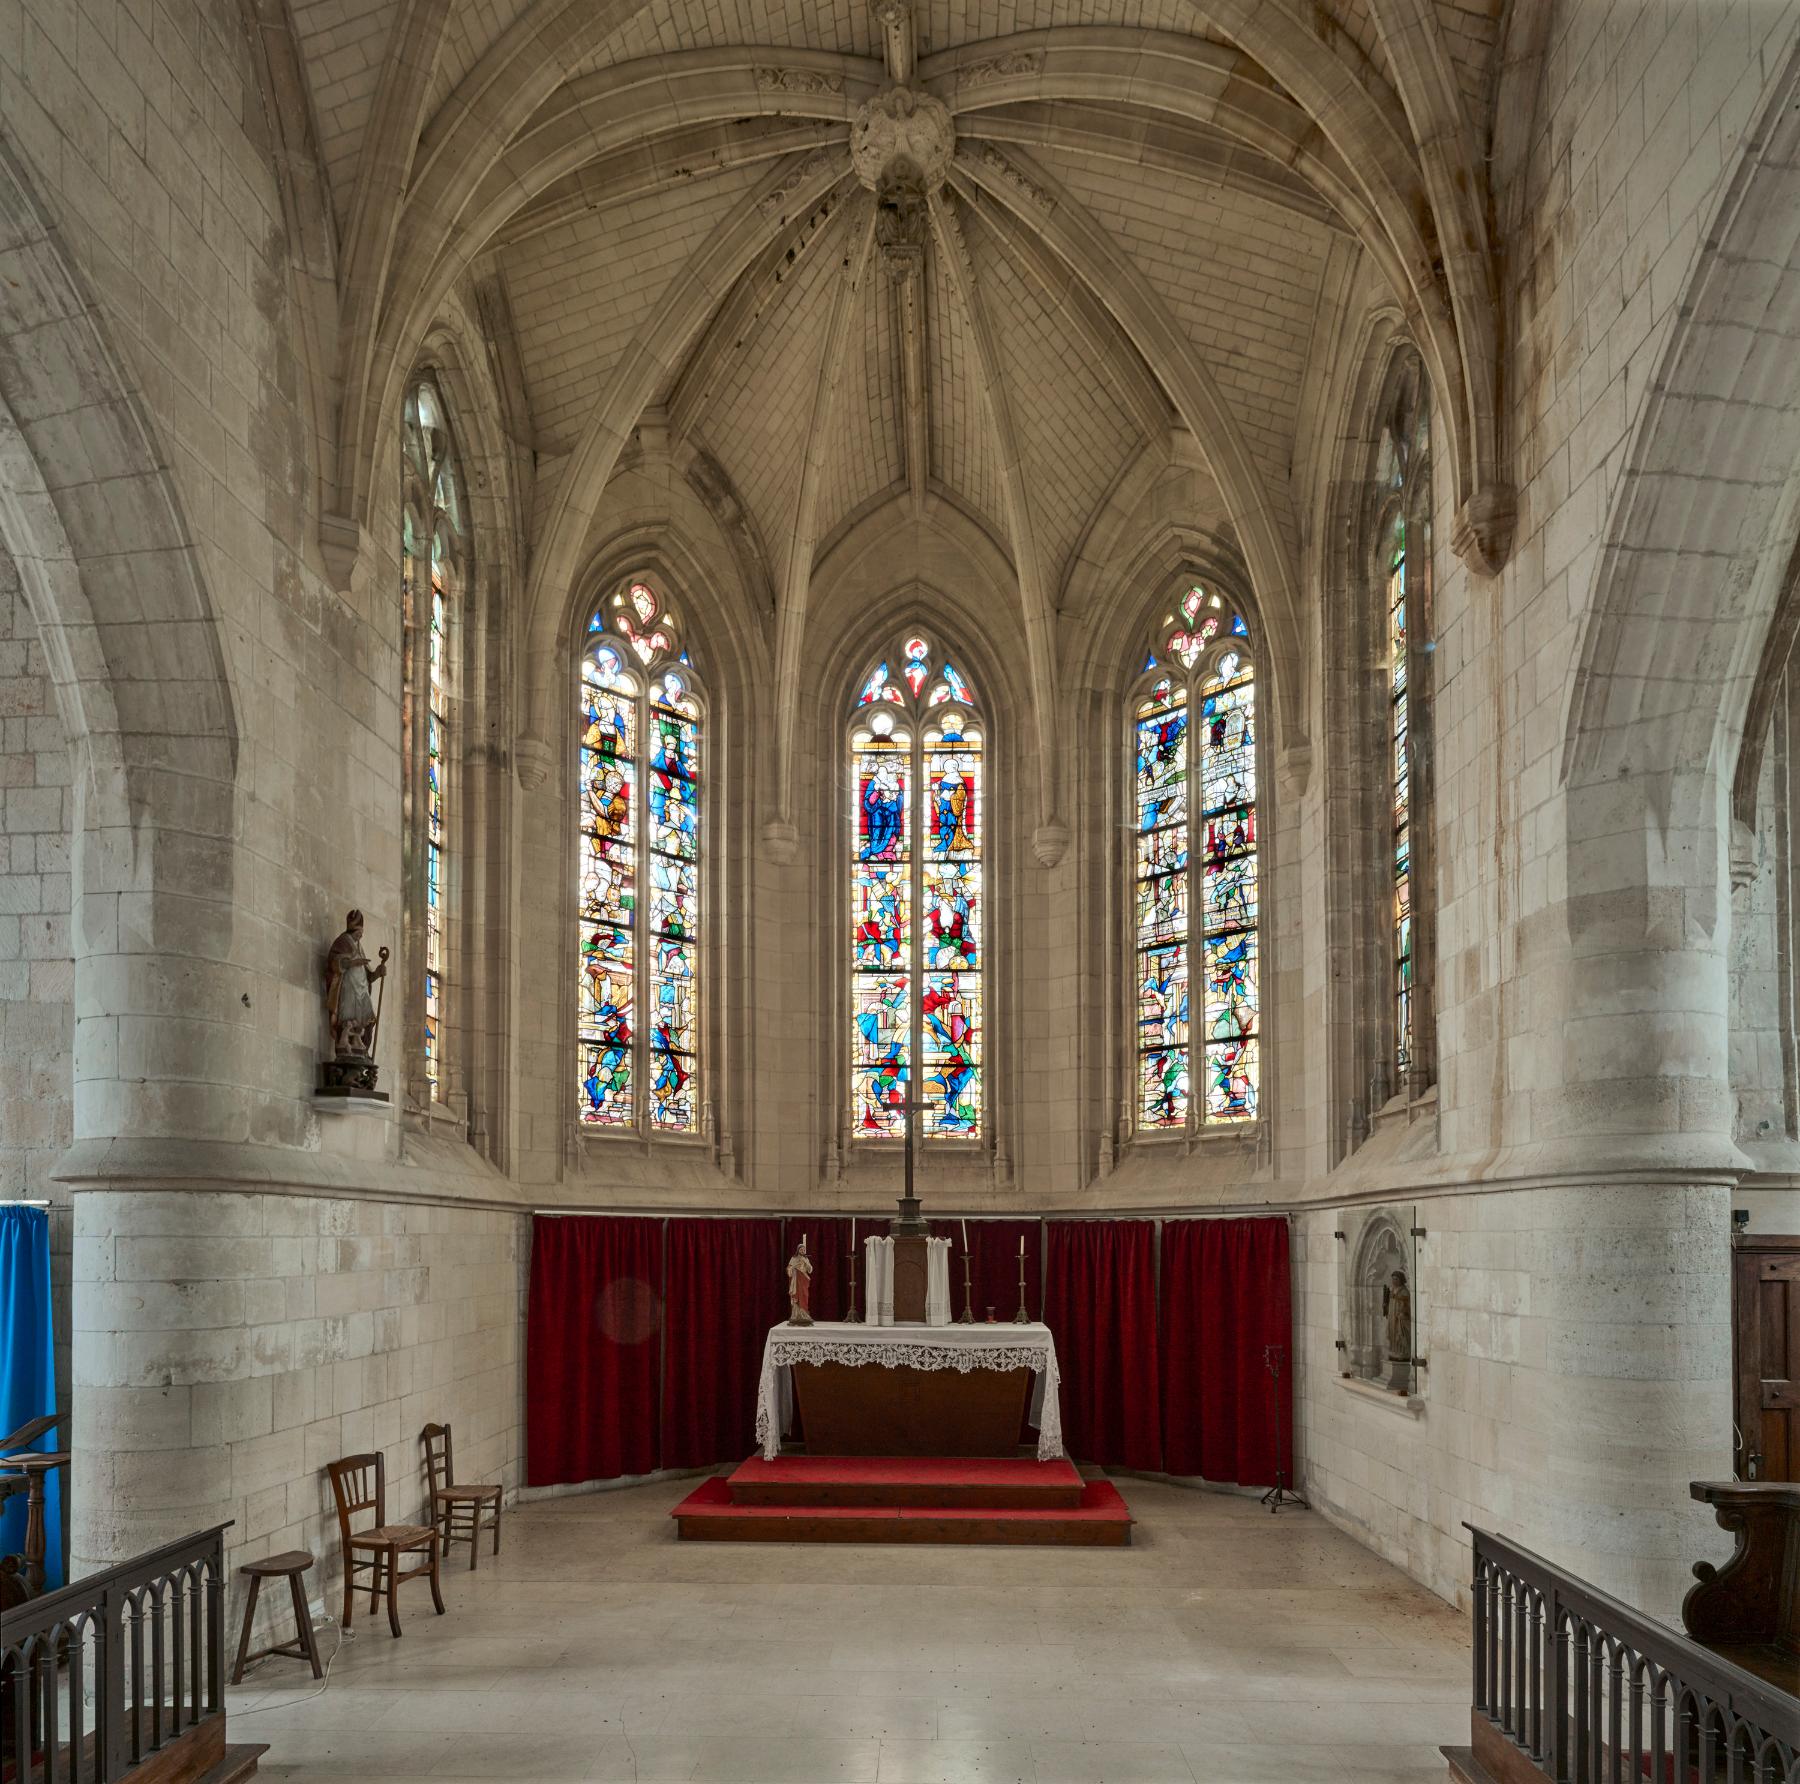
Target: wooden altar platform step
[[905, 1499]]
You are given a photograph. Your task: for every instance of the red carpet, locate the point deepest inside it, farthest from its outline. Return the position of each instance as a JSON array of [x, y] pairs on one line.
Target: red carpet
[[905, 1499]]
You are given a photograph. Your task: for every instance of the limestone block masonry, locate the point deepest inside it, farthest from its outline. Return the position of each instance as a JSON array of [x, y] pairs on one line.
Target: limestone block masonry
[[230, 1345]]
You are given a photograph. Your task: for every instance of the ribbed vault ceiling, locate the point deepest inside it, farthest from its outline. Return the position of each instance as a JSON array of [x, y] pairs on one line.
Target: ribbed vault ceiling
[[1123, 251]]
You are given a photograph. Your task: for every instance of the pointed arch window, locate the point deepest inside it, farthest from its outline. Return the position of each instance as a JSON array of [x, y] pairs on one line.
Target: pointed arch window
[[1195, 872], [1403, 560], [434, 572], [918, 826], [640, 719]]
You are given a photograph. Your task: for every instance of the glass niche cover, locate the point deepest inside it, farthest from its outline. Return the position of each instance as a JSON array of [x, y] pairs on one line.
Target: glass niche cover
[[1378, 1297]]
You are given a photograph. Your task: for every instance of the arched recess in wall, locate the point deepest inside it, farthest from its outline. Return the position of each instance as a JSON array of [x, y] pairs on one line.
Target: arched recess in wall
[[1138, 602], [661, 811], [859, 626], [92, 518], [1693, 558], [1379, 779], [1698, 539], [459, 524]]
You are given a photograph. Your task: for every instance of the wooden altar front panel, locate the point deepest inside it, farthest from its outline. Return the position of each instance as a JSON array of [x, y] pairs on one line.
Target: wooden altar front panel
[[875, 1410]]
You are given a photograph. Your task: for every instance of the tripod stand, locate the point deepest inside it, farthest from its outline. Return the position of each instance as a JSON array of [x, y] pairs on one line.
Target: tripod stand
[[1278, 1495]]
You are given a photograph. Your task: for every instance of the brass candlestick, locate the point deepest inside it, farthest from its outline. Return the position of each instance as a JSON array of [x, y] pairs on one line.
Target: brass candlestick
[[851, 1318], [1021, 1318], [968, 1312]]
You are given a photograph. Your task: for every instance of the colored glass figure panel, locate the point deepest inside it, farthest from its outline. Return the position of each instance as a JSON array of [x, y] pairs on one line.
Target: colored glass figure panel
[[1401, 773], [1163, 1036], [608, 870], [953, 915], [674, 782], [951, 1007], [674, 1038], [1228, 891], [881, 1016], [882, 814], [880, 925], [1160, 871]]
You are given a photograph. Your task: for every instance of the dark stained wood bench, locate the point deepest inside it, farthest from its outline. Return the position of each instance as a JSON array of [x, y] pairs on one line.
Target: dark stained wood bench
[[1748, 1611]]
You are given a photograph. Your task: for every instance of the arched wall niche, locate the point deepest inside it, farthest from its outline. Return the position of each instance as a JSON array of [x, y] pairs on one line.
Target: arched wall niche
[[1108, 670], [1690, 574], [474, 1099], [853, 623], [658, 529]]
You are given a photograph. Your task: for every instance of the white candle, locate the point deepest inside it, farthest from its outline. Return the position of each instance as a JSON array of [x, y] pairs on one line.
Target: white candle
[[1021, 1248], [965, 1228]]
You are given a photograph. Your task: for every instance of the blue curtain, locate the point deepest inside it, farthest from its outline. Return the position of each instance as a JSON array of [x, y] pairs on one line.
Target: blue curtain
[[28, 1370]]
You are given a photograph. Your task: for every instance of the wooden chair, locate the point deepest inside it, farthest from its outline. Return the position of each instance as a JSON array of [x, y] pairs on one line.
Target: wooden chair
[[460, 1513], [359, 1484]]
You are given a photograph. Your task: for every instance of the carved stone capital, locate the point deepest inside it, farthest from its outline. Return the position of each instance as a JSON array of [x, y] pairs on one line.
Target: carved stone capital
[[1482, 536], [344, 545], [531, 762], [901, 138], [1050, 842], [781, 840]]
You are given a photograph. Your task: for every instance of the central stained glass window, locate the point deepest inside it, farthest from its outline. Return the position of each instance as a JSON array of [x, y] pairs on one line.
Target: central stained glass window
[[639, 719], [1194, 871], [917, 824]]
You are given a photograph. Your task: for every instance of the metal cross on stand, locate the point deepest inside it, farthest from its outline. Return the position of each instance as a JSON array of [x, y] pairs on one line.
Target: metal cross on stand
[[909, 1221]]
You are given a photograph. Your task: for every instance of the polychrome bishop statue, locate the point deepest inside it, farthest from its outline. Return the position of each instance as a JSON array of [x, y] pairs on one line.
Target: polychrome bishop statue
[[799, 1275]]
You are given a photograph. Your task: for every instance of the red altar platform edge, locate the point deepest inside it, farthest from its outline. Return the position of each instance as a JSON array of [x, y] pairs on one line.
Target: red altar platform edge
[[905, 1499]]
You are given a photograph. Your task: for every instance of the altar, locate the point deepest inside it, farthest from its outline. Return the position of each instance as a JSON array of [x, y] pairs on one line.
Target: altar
[[950, 1390]]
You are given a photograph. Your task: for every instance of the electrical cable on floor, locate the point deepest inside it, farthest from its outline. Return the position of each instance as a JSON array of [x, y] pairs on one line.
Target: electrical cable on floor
[[324, 1684]]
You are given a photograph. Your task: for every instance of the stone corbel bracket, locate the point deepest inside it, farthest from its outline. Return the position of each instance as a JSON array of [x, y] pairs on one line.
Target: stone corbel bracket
[[531, 762], [1483, 534]]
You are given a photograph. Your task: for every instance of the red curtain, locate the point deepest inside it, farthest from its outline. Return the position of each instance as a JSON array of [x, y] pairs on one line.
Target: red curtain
[[593, 1325], [994, 1266], [1226, 1299], [726, 1286], [1100, 1302]]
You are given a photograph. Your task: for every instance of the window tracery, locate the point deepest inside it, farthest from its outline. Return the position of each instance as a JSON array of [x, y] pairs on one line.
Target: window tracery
[[918, 825], [1195, 871], [640, 720], [434, 572]]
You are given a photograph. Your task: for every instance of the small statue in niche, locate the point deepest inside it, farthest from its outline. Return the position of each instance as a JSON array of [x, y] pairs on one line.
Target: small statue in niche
[[1396, 1305], [799, 1276], [354, 1016]]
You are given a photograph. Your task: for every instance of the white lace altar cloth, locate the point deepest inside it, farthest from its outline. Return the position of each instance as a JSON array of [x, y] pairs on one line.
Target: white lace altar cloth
[[909, 1347]]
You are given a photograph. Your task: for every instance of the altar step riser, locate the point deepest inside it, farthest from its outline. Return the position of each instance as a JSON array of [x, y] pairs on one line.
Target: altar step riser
[[934, 1483], [913, 1498], [713, 1514], [919, 1528]]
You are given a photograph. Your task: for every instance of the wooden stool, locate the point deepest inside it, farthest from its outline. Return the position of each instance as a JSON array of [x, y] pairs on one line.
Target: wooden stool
[[289, 1566]]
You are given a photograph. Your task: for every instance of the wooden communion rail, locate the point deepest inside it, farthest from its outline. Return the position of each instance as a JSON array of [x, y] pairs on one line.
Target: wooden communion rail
[[1573, 1687], [120, 1677]]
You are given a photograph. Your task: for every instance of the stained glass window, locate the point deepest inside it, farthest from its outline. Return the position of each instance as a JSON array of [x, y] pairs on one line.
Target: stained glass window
[[1194, 871], [1400, 774], [639, 719], [917, 827], [432, 572]]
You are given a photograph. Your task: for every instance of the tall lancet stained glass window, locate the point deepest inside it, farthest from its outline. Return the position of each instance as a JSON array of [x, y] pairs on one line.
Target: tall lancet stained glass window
[[433, 573], [1400, 774], [640, 721], [1194, 871], [918, 818]]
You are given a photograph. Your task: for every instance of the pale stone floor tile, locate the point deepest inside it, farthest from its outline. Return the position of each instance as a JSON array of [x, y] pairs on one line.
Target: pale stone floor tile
[[957, 1762], [1223, 1647], [1109, 1762]]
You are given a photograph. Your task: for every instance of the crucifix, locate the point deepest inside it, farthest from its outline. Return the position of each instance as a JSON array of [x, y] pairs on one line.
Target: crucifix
[[909, 1221], [909, 1238]]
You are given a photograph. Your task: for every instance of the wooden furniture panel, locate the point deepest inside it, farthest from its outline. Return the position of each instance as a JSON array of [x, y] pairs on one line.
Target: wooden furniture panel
[[1765, 1294], [878, 1411]]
